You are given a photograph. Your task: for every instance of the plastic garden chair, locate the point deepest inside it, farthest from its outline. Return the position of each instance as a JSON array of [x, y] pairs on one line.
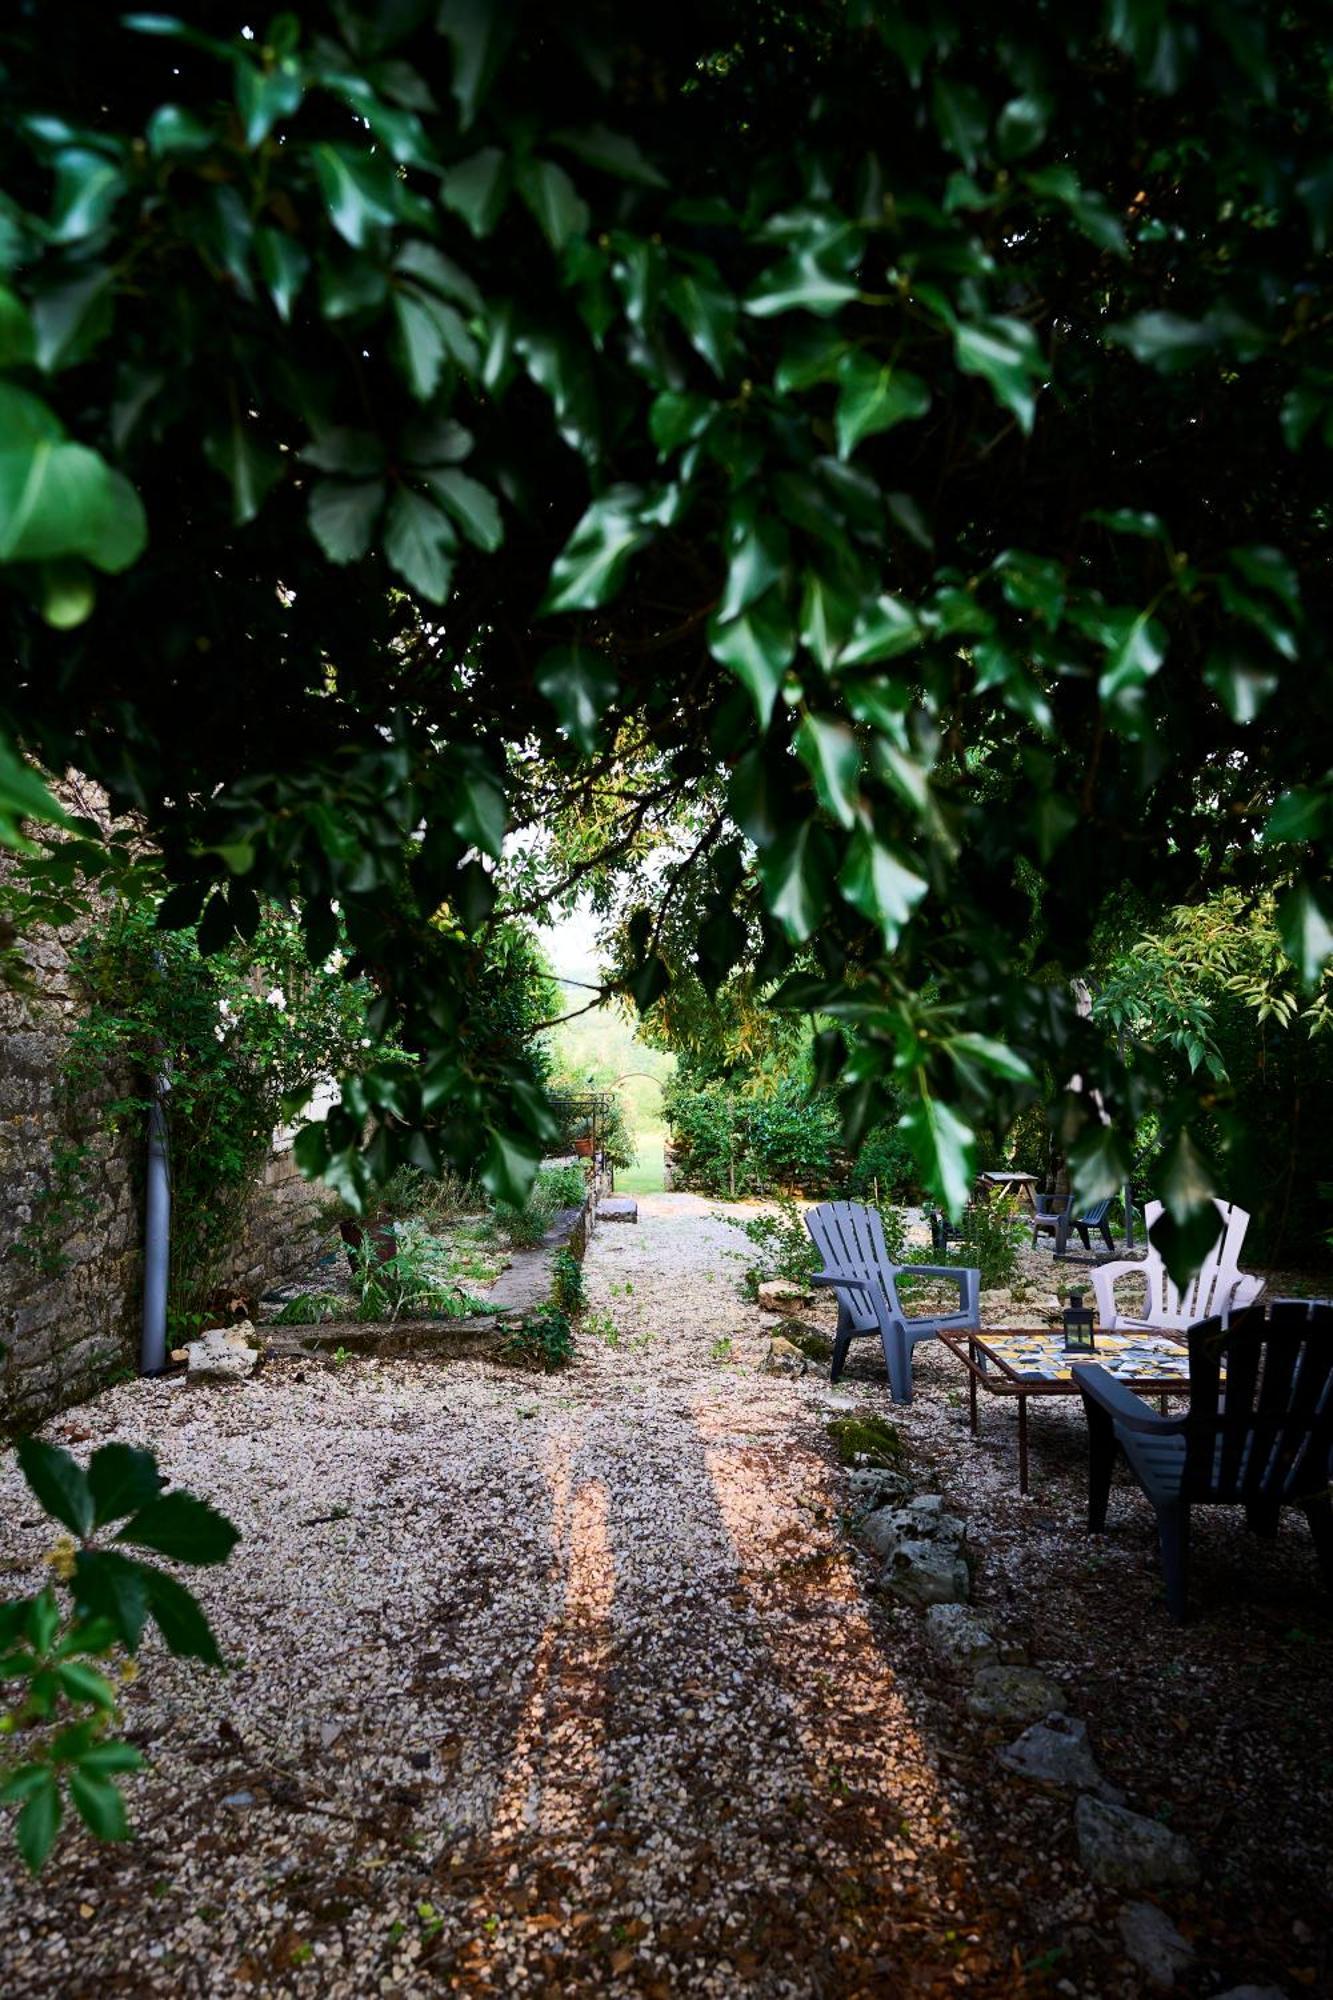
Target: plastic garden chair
[[857, 1266]]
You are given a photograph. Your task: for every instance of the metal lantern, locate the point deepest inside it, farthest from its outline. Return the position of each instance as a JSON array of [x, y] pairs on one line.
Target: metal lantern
[[1078, 1326]]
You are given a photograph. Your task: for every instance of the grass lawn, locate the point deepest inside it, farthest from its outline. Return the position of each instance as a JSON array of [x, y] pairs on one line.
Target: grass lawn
[[645, 1176]]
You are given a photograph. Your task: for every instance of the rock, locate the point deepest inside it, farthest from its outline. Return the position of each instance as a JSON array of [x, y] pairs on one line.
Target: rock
[[862, 1440], [874, 1486], [813, 1342], [1252, 1993], [920, 1520], [783, 1359], [1014, 1694], [774, 1294], [1013, 1653], [1123, 1850], [617, 1208], [958, 1637], [926, 1573], [223, 1354], [1154, 1943], [1056, 1752]]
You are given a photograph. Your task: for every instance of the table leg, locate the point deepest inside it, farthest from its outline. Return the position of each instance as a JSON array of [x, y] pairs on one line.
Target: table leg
[[1022, 1444], [972, 1385]]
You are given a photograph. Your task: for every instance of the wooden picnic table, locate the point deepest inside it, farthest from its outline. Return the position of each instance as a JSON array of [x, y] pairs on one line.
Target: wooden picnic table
[[1023, 1361], [1021, 1184]]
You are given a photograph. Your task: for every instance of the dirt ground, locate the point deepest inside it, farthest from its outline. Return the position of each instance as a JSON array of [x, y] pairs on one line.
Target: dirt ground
[[578, 1685]]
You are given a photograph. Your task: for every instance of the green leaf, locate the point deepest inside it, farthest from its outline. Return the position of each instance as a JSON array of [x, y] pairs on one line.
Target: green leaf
[[1129, 521], [21, 1784], [343, 516], [878, 884], [945, 1150], [829, 752], [105, 1760], [39, 1823], [480, 33], [472, 505], [875, 397], [179, 1616], [758, 647], [17, 344], [580, 686], [356, 454], [1307, 937], [1135, 652], [589, 568], [800, 283], [1300, 815], [60, 499], [23, 796], [69, 320], [795, 876], [79, 1682], [249, 465], [890, 627], [172, 130], [423, 340], [283, 265], [760, 549], [708, 313], [961, 117], [121, 1479], [1004, 352], [477, 189], [981, 1052], [179, 1526], [509, 1166], [88, 186], [99, 1805], [555, 201], [1240, 686], [419, 542], [358, 190], [1090, 211], [61, 1486], [1021, 125], [1164, 340], [265, 96], [482, 818]]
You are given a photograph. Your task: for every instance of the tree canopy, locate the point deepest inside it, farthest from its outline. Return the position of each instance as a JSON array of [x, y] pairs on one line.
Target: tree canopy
[[900, 432]]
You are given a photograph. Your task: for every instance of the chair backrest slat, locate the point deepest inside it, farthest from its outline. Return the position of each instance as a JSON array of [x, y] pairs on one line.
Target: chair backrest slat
[[1264, 1434], [1208, 1291]]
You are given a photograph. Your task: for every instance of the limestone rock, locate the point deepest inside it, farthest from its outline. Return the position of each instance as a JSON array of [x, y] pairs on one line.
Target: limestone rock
[[1056, 1752], [1123, 1850], [783, 1359], [1014, 1694], [926, 1573], [920, 1520], [1253, 1993], [874, 1486], [776, 1294], [223, 1354], [813, 1342], [958, 1637], [1154, 1943], [617, 1208]]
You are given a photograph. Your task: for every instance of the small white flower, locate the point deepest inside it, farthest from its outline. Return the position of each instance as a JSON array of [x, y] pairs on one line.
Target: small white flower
[[275, 997]]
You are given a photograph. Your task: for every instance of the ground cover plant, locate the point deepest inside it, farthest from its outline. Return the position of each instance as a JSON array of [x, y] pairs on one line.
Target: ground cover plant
[[882, 431]]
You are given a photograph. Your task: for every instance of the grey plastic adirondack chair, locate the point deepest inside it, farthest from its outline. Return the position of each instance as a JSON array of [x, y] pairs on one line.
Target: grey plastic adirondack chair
[[1220, 1287], [850, 1239], [1063, 1225], [1258, 1439]]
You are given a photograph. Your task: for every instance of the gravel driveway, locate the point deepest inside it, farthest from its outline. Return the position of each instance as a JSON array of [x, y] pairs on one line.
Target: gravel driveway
[[559, 1685]]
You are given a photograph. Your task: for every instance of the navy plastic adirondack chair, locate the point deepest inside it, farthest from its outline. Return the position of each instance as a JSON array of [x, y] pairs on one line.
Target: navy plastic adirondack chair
[[1259, 1438], [1063, 1225], [850, 1239]]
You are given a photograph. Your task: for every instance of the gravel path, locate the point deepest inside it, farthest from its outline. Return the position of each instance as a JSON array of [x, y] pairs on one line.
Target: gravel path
[[558, 1686]]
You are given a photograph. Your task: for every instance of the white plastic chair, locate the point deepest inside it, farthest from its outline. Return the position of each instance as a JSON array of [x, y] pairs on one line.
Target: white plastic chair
[[1218, 1289]]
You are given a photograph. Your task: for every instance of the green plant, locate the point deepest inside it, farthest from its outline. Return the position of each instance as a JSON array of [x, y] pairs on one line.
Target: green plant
[[341, 1357], [61, 1722], [601, 1326], [567, 1288], [543, 1339], [786, 1248], [554, 1188], [989, 1239], [867, 1441], [722, 1349], [308, 1309]]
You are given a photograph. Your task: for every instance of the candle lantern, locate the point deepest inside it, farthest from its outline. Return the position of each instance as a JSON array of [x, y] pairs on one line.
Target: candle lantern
[[1078, 1326]]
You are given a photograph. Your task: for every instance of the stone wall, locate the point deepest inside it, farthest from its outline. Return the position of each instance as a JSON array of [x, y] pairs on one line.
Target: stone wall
[[71, 1234]]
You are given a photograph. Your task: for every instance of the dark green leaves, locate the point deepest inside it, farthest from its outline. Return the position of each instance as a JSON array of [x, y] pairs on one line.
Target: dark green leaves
[[945, 1149], [121, 1479], [758, 647], [358, 190], [1004, 352], [182, 1527], [60, 1485], [589, 569], [581, 687], [875, 397], [419, 542]]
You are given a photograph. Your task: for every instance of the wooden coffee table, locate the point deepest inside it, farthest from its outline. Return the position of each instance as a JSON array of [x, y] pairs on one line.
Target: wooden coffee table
[[1023, 1361]]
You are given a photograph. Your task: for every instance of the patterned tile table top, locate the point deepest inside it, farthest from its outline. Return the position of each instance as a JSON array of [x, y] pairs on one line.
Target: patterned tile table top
[[1041, 1357]]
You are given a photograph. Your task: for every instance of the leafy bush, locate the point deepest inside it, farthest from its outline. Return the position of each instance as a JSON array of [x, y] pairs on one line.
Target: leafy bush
[[61, 1719], [308, 1309], [772, 1135], [989, 1238], [553, 1189], [543, 1340], [567, 1289], [412, 1284], [884, 1168]]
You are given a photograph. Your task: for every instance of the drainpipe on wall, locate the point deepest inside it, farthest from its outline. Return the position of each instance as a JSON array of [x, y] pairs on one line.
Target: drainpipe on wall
[[156, 1237]]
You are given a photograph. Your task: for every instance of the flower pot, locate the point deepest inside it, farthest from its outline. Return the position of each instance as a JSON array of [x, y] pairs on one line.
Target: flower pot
[[583, 1148]]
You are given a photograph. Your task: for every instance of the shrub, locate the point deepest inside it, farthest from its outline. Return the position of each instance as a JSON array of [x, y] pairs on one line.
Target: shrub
[[988, 1240], [543, 1340], [773, 1135], [554, 1188], [411, 1284], [567, 1289], [787, 1250]]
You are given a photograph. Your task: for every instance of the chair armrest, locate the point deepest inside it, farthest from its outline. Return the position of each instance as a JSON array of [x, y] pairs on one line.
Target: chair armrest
[[1103, 1285], [1101, 1389], [967, 1279], [838, 1282], [1244, 1292]]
